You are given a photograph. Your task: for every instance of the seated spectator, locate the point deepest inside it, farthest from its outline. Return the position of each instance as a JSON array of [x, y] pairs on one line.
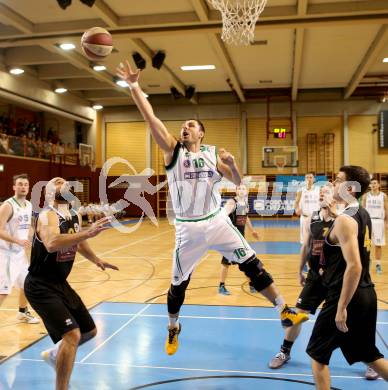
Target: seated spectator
[[4, 144]]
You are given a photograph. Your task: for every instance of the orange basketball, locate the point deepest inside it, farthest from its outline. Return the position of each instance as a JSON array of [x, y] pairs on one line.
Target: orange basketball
[[96, 43]]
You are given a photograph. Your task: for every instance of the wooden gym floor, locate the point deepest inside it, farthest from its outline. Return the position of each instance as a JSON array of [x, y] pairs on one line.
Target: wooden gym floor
[[144, 259]]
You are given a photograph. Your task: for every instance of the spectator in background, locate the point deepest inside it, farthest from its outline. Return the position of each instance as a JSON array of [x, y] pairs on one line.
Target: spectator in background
[[61, 152], [47, 148], [4, 144]]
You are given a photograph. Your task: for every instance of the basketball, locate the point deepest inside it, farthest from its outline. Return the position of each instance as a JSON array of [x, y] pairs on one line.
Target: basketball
[[96, 43]]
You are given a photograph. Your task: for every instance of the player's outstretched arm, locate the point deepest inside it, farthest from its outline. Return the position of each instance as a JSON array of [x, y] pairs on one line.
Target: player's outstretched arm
[[161, 135], [87, 252], [226, 164], [346, 230], [53, 240]]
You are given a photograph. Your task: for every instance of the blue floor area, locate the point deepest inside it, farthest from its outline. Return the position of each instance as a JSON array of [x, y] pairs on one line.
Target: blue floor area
[[276, 223], [275, 247], [221, 347]]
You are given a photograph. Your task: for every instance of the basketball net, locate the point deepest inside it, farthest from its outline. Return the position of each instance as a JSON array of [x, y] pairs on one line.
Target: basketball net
[[280, 162], [239, 19]]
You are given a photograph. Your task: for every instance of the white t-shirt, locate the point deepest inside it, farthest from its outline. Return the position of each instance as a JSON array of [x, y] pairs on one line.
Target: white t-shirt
[[19, 224]]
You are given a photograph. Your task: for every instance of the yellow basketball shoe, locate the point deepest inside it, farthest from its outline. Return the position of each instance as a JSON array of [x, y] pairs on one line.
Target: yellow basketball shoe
[[172, 340], [290, 317]]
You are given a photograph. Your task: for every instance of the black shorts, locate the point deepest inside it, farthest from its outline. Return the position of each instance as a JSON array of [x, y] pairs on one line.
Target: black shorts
[[225, 261], [359, 343], [59, 306], [312, 294]]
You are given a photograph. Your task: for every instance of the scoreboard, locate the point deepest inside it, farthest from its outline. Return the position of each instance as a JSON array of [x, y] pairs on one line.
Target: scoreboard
[[383, 129], [279, 132]]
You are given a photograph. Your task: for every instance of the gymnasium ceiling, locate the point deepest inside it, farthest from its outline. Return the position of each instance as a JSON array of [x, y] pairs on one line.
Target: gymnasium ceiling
[[302, 48]]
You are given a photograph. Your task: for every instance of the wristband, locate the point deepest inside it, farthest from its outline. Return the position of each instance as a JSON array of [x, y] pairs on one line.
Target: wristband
[[133, 85]]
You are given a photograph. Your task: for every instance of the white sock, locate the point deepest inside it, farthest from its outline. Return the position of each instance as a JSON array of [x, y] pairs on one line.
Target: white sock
[[54, 351], [173, 320], [378, 262], [279, 303]]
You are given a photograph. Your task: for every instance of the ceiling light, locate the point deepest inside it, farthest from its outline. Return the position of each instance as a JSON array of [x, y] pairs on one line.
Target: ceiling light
[[60, 90], [122, 83], [198, 67], [99, 68], [385, 59], [98, 107], [67, 46], [16, 71]]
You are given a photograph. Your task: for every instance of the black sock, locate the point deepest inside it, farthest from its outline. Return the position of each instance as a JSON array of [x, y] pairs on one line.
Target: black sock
[[222, 284], [286, 346], [22, 309]]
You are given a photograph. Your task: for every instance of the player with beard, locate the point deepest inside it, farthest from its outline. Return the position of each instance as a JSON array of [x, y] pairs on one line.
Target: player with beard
[[57, 239]]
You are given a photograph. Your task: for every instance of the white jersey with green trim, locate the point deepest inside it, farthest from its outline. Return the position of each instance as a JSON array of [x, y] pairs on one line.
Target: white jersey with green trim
[[309, 200], [194, 181], [375, 205], [18, 225]]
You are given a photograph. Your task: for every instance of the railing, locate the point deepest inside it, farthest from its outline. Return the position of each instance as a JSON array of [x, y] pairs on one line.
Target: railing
[[22, 146], [65, 159]]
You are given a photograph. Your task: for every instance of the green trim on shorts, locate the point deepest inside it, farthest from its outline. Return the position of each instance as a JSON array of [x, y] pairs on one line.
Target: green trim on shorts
[[239, 234], [177, 257], [199, 219]]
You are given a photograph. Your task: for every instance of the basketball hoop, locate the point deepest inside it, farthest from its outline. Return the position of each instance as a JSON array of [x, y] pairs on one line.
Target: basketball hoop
[[280, 162], [239, 19]]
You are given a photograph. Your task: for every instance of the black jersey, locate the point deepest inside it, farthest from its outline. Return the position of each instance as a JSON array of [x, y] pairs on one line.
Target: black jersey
[[319, 229], [335, 263], [54, 267], [239, 215]]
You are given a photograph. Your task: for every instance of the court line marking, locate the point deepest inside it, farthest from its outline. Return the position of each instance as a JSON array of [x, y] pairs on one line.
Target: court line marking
[[138, 314], [121, 328], [138, 257], [125, 246], [277, 373], [204, 317], [110, 251], [114, 334]]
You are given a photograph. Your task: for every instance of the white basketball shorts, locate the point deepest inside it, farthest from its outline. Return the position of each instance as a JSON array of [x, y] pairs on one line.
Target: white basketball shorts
[[378, 232], [194, 239], [13, 270]]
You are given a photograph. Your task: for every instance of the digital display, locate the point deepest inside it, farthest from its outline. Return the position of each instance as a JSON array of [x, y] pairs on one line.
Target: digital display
[[279, 132], [383, 129]]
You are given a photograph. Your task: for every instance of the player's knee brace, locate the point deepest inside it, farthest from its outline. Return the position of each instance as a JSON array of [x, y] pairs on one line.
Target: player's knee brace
[[176, 296], [254, 270]]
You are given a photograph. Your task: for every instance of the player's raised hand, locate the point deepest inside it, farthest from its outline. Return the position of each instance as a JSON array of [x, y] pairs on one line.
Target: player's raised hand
[[125, 72], [226, 157], [255, 234], [98, 226]]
